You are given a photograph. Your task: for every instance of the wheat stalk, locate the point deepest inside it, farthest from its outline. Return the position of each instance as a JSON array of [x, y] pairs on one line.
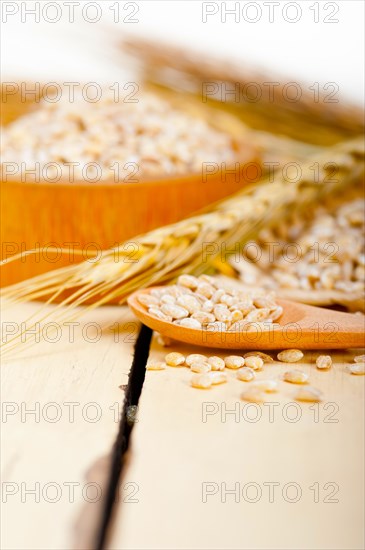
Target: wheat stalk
[[316, 117], [165, 253]]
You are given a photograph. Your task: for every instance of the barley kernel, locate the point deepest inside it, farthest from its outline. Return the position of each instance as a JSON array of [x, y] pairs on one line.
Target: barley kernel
[[167, 299], [268, 386], [164, 341], [308, 394], [176, 312], [188, 322], [208, 306], [200, 367], [175, 359], [246, 374], [205, 289], [203, 317], [253, 395], [218, 378], [234, 361], [155, 365], [188, 302], [195, 358], [227, 300], [296, 377], [324, 362], [217, 295], [201, 381], [237, 315], [216, 363], [156, 312], [148, 300], [290, 355], [222, 313], [254, 362], [357, 368], [266, 358], [189, 281]]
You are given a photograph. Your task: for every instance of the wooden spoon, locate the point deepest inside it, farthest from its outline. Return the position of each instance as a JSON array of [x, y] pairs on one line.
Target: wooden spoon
[[302, 326]]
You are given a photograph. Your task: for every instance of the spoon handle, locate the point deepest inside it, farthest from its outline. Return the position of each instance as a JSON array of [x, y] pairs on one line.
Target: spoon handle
[[333, 328]]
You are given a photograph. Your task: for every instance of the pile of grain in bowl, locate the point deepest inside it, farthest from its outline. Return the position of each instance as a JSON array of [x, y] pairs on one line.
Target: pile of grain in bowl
[[202, 302], [317, 252], [127, 140]]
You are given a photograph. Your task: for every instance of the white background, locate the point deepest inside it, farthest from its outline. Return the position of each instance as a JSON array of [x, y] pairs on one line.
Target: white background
[[83, 51]]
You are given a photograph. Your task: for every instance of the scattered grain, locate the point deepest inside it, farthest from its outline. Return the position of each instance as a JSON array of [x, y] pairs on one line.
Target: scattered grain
[[175, 359], [155, 365], [266, 358], [253, 395], [218, 378], [254, 362], [164, 341], [216, 363], [200, 367], [234, 361], [201, 381], [195, 358], [246, 374], [290, 355], [357, 368], [296, 377], [308, 394], [324, 362], [268, 386]]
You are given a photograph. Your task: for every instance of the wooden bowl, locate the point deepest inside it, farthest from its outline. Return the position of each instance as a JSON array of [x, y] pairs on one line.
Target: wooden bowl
[[91, 217]]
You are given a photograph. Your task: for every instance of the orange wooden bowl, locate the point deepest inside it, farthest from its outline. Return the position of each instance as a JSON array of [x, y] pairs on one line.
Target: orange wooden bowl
[[92, 217]]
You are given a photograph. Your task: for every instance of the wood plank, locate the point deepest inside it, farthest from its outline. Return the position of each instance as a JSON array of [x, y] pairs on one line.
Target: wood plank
[[183, 465], [62, 451]]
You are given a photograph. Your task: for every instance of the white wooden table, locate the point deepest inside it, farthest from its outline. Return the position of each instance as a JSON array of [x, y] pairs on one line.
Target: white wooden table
[[204, 469]]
